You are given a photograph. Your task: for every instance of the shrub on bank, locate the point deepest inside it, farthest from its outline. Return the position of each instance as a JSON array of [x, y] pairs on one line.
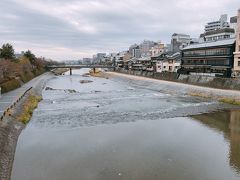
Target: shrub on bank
[[27, 76], [10, 85], [38, 72]]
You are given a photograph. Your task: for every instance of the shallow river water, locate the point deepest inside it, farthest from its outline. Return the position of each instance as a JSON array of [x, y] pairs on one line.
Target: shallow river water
[[123, 128]]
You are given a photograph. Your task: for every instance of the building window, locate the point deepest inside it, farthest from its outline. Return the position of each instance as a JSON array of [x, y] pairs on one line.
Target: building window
[[238, 63]]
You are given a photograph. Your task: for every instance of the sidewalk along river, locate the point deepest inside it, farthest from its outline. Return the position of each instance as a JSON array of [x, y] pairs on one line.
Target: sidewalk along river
[[121, 128]]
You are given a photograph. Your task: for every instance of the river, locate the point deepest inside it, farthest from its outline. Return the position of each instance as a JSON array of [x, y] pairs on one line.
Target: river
[[123, 128]]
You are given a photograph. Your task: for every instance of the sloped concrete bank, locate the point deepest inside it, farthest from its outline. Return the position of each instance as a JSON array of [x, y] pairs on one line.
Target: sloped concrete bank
[[11, 128], [206, 81]]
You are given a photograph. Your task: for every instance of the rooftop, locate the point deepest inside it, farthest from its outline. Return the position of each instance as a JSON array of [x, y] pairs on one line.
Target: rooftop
[[218, 31], [179, 34], [211, 44]]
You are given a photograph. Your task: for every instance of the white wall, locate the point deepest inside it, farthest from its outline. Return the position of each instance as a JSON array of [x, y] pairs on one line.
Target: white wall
[[164, 66]]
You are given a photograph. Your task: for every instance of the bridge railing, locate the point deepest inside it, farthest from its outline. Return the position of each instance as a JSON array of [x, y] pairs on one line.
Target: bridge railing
[[82, 66]]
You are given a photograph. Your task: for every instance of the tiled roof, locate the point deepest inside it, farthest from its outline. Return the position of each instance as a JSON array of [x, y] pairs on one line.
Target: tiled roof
[[211, 44]]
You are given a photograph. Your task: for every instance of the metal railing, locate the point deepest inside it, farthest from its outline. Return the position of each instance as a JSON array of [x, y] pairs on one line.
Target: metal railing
[[14, 104]]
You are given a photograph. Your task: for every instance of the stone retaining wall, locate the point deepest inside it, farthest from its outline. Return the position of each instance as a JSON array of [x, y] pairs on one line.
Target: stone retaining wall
[[207, 81]]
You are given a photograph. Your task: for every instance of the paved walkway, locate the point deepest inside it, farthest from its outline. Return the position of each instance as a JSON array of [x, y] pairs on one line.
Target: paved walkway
[[9, 98]]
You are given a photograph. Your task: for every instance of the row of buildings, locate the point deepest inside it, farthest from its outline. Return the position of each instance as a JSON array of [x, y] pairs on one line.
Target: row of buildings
[[216, 52]]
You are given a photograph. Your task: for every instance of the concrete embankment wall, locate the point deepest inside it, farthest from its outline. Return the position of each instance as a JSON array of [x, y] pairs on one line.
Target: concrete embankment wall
[[207, 81]]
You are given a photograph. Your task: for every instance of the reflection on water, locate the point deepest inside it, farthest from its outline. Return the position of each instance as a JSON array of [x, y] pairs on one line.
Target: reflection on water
[[227, 122], [235, 139]]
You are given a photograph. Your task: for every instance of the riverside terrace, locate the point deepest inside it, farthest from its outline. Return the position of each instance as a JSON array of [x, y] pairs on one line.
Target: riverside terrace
[[92, 66], [209, 57]]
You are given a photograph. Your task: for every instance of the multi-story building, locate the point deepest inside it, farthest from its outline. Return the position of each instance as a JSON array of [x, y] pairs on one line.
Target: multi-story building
[[145, 46], [167, 62], [210, 58], [219, 34], [122, 59], [143, 63], [218, 30], [179, 41], [220, 24], [236, 68], [98, 57], [126, 58], [87, 61], [132, 47], [112, 57], [158, 49], [135, 51]]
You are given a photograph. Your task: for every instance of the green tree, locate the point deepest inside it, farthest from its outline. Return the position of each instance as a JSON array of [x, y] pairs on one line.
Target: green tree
[[32, 58], [7, 51]]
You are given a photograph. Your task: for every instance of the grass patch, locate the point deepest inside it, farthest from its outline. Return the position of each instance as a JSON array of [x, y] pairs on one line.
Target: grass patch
[[208, 96], [10, 85], [230, 101], [28, 107], [199, 94]]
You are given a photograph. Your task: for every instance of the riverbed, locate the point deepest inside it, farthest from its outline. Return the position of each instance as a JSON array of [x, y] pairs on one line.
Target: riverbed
[[127, 128]]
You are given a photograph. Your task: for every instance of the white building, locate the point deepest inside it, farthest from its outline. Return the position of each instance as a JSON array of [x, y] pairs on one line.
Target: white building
[[158, 49], [236, 68], [179, 41], [165, 66], [220, 24], [219, 30], [218, 34], [168, 63], [98, 57]]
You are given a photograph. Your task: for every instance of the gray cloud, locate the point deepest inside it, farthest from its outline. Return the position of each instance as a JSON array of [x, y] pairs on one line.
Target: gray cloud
[[73, 29]]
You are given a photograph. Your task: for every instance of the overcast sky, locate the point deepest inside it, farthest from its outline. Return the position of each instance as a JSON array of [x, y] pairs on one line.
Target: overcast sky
[[72, 29]]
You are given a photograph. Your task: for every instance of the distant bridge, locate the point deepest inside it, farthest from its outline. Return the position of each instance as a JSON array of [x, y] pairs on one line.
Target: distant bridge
[[92, 66]]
